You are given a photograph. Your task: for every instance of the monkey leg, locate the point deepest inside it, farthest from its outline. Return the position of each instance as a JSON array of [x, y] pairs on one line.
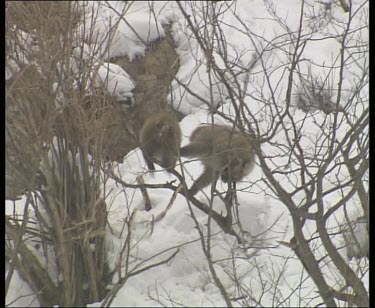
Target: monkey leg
[[205, 179], [225, 176], [231, 193]]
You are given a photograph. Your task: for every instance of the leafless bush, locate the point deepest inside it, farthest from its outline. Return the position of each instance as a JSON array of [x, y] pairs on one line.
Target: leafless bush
[[59, 120], [52, 145], [55, 144]]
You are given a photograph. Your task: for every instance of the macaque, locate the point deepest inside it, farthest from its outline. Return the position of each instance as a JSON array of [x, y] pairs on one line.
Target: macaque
[[223, 151], [160, 139]]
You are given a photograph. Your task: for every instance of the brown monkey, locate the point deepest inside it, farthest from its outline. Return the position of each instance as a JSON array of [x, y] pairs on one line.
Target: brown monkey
[[223, 151], [160, 138]]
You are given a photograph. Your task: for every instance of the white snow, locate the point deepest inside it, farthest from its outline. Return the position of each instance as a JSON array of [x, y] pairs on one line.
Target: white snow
[[116, 80], [20, 294]]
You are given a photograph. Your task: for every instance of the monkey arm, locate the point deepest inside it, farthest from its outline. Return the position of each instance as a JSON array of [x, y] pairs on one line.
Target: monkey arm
[[169, 160], [194, 150], [187, 150], [147, 158]]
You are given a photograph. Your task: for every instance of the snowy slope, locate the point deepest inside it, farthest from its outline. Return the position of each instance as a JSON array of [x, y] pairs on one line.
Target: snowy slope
[[186, 280]]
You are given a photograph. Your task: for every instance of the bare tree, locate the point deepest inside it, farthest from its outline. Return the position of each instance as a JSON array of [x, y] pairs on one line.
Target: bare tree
[[314, 160]]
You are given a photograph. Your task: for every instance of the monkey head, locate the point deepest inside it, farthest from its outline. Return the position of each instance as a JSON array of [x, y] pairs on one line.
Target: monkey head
[[237, 168]]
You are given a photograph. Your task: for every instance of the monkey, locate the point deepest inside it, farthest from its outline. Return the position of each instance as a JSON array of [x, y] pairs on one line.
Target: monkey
[[160, 139], [223, 151]]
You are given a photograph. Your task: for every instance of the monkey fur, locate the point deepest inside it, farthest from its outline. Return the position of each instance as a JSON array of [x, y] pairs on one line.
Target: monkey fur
[[223, 151], [160, 139]]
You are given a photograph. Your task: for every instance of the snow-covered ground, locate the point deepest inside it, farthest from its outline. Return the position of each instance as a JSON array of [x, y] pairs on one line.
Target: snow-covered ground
[[264, 267]]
